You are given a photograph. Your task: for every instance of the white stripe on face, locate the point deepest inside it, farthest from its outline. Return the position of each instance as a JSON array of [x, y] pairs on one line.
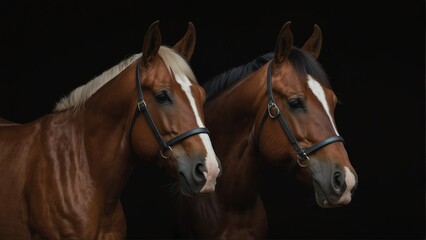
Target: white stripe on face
[[211, 160], [318, 91]]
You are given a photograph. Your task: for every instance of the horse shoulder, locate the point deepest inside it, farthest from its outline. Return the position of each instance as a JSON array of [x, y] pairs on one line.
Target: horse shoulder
[[201, 216], [16, 143], [44, 174], [249, 223]]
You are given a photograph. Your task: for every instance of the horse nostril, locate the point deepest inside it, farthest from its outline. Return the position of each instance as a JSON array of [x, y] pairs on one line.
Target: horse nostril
[[198, 174], [339, 184]]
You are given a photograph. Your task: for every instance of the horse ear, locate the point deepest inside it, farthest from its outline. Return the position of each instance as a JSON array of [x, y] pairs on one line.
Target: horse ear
[[284, 43], [314, 43], [186, 45], [151, 43]]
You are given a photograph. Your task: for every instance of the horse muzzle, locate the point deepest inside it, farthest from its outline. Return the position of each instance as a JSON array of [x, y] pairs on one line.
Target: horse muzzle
[[193, 176], [334, 185]]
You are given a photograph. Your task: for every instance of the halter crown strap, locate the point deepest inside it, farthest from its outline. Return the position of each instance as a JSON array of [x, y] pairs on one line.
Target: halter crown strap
[[143, 108], [274, 112], [272, 106]]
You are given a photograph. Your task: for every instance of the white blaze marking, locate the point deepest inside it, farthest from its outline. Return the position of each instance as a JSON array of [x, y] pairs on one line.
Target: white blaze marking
[[211, 160], [349, 176], [350, 183], [320, 94]]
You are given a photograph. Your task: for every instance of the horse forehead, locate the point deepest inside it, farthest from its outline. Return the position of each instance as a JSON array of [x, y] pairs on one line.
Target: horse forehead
[[303, 82], [159, 73], [320, 92], [161, 76], [183, 81], [291, 81]]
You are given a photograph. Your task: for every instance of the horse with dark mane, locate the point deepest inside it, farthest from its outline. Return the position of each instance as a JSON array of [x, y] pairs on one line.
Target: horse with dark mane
[[277, 110], [61, 176]]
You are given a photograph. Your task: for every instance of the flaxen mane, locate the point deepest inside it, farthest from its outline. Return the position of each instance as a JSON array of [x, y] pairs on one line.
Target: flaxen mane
[[173, 61]]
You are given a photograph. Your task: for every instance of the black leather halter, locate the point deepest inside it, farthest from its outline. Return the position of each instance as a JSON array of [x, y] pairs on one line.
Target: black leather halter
[[143, 108], [274, 112]]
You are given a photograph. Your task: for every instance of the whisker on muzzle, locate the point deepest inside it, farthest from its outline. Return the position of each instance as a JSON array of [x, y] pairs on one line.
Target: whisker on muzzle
[[173, 189]]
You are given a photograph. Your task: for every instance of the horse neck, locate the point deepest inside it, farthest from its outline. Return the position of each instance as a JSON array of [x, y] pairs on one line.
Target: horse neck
[[106, 117], [231, 118]]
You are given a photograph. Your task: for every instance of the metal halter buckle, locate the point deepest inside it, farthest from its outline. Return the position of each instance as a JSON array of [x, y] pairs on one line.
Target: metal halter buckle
[[169, 150], [304, 157], [142, 105], [272, 107]]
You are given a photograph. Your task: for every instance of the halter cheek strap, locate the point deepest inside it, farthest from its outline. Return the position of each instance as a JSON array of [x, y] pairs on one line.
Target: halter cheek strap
[[165, 147], [273, 112]]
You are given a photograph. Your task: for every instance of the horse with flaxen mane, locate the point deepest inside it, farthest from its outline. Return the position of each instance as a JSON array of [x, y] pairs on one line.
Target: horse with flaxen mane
[[61, 176], [277, 110]]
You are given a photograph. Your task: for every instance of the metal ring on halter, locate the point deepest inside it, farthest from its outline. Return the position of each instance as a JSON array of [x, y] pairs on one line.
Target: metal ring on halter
[[276, 109], [170, 150], [305, 158]]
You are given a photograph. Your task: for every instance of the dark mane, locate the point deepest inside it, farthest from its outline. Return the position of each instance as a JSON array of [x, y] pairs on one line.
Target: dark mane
[[226, 79], [302, 62]]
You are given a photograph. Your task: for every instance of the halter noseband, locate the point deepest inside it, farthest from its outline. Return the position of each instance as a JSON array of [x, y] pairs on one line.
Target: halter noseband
[[143, 108], [274, 112]]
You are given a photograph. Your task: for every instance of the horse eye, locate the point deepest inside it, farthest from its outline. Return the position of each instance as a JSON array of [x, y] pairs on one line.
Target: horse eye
[[163, 97], [296, 103]]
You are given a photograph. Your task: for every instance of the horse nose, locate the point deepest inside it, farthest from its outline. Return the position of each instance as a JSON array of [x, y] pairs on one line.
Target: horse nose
[[338, 182], [191, 174], [198, 172]]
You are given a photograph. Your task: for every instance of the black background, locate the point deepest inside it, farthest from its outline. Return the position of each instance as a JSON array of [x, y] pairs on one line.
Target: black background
[[373, 54]]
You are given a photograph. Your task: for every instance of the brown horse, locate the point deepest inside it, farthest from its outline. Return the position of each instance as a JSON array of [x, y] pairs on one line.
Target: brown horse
[[278, 110], [61, 176]]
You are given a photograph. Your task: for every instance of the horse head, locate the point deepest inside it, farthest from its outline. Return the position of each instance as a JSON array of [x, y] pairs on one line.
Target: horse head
[[172, 102], [299, 126]]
